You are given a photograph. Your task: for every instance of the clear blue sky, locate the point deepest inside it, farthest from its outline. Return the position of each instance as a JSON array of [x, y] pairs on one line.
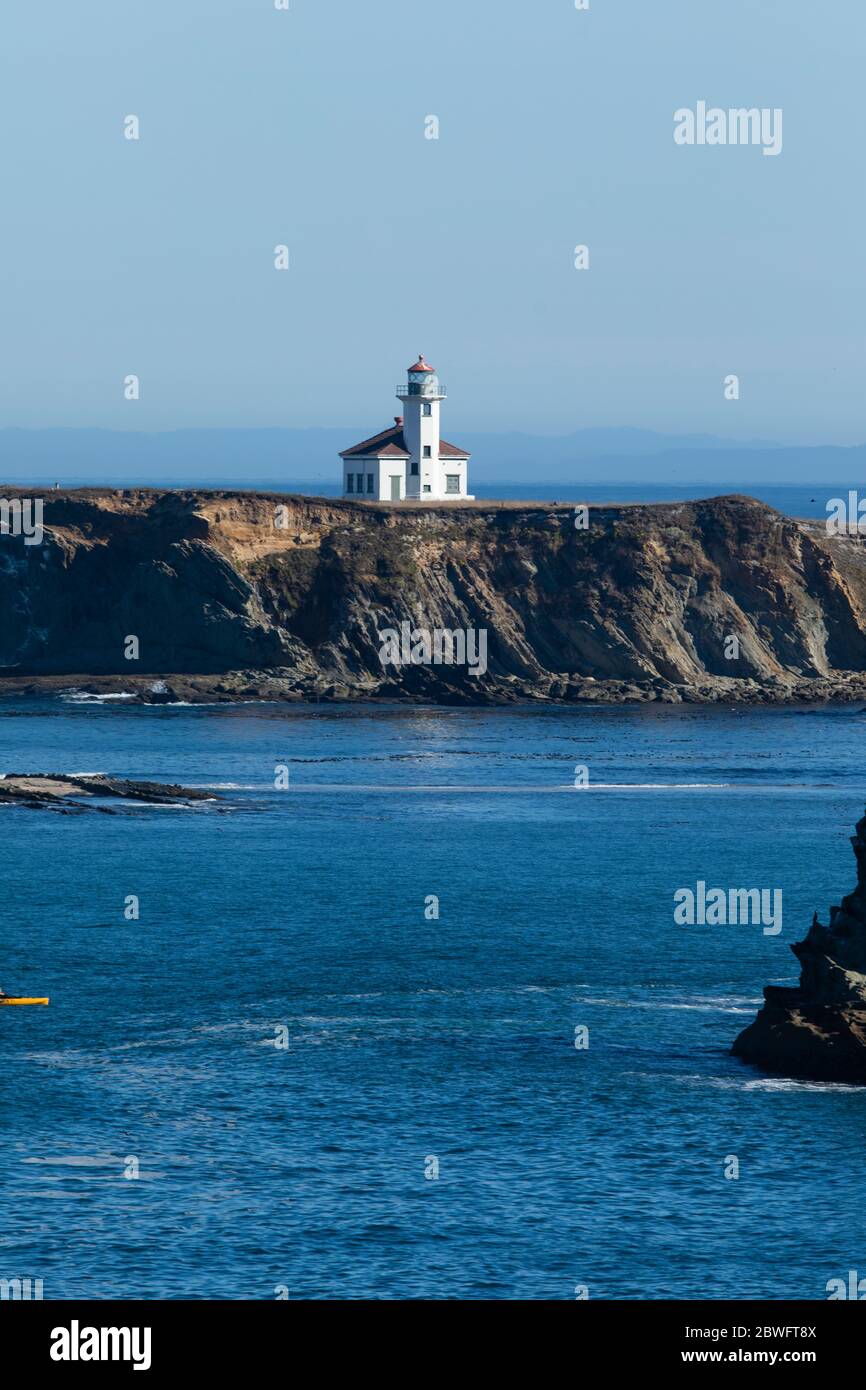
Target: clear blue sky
[[260, 127]]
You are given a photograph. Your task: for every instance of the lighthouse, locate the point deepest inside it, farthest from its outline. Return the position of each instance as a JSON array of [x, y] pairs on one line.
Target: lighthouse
[[410, 461], [421, 398]]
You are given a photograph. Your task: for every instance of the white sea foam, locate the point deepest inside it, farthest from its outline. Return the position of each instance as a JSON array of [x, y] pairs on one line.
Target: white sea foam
[[789, 1084], [649, 786], [85, 697], [706, 1006], [80, 1161], [773, 1084], [527, 788], [172, 805], [226, 787]]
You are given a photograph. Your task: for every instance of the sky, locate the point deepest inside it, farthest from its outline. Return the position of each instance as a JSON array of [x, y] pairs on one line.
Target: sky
[[306, 128]]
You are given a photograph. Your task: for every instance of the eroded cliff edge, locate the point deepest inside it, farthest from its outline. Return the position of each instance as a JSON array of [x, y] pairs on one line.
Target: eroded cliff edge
[[817, 1030], [245, 595]]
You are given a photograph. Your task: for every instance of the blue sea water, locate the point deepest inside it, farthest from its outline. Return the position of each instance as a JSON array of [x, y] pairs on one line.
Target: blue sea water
[[264, 1168]]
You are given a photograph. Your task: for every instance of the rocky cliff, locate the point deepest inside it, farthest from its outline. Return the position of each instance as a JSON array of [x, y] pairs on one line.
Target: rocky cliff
[[818, 1030], [243, 594]]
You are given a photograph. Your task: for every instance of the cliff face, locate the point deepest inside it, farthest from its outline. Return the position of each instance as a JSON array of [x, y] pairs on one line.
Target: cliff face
[[818, 1030], [242, 593]]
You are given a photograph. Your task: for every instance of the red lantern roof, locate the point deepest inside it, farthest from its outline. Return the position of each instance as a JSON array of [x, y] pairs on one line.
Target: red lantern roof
[[422, 366]]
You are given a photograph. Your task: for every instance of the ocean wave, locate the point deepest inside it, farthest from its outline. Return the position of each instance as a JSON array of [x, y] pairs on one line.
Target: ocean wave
[[228, 786], [649, 786], [79, 1161], [781, 1083], [526, 788], [699, 1005], [85, 697], [167, 805], [778, 1084]]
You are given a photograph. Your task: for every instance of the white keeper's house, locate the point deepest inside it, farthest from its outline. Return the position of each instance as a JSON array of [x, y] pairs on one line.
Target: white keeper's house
[[409, 461]]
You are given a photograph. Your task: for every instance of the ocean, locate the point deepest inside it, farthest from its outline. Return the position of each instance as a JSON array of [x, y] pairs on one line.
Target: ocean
[[334, 1056]]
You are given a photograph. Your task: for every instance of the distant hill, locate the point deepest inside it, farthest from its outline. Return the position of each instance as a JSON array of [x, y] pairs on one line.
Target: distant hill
[[242, 457]]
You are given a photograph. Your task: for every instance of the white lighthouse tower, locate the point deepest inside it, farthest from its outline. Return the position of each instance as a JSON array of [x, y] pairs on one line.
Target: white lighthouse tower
[[410, 461], [421, 398]]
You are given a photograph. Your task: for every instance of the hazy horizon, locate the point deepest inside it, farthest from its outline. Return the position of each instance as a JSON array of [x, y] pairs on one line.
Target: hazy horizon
[[290, 458]]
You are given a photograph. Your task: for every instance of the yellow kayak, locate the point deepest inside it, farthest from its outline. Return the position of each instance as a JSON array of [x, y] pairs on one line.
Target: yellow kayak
[[23, 1001]]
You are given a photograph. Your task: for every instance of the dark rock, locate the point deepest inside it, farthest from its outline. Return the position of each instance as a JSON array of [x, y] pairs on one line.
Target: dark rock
[[817, 1030]]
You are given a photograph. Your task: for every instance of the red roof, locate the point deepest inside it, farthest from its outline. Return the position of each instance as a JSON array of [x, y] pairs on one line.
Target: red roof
[[421, 365], [392, 444]]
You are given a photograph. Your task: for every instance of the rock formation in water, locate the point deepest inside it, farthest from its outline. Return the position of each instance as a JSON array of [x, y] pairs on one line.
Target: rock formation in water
[[818, 1029], [60, 791], [235, 595]]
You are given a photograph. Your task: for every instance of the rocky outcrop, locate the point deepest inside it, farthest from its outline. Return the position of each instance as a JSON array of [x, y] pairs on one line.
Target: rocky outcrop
[[61, 791], [818, 1029], [248, 595]]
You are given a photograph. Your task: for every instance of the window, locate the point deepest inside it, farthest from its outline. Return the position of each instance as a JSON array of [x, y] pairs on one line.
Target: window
[[452, 482], [414, 468], [426, 487], [369, 482], [350, 482], [360, 482], [428, 409], [427, 451]]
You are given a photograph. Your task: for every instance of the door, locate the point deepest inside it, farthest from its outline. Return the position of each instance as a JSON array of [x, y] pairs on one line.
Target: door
[[395, 487]]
